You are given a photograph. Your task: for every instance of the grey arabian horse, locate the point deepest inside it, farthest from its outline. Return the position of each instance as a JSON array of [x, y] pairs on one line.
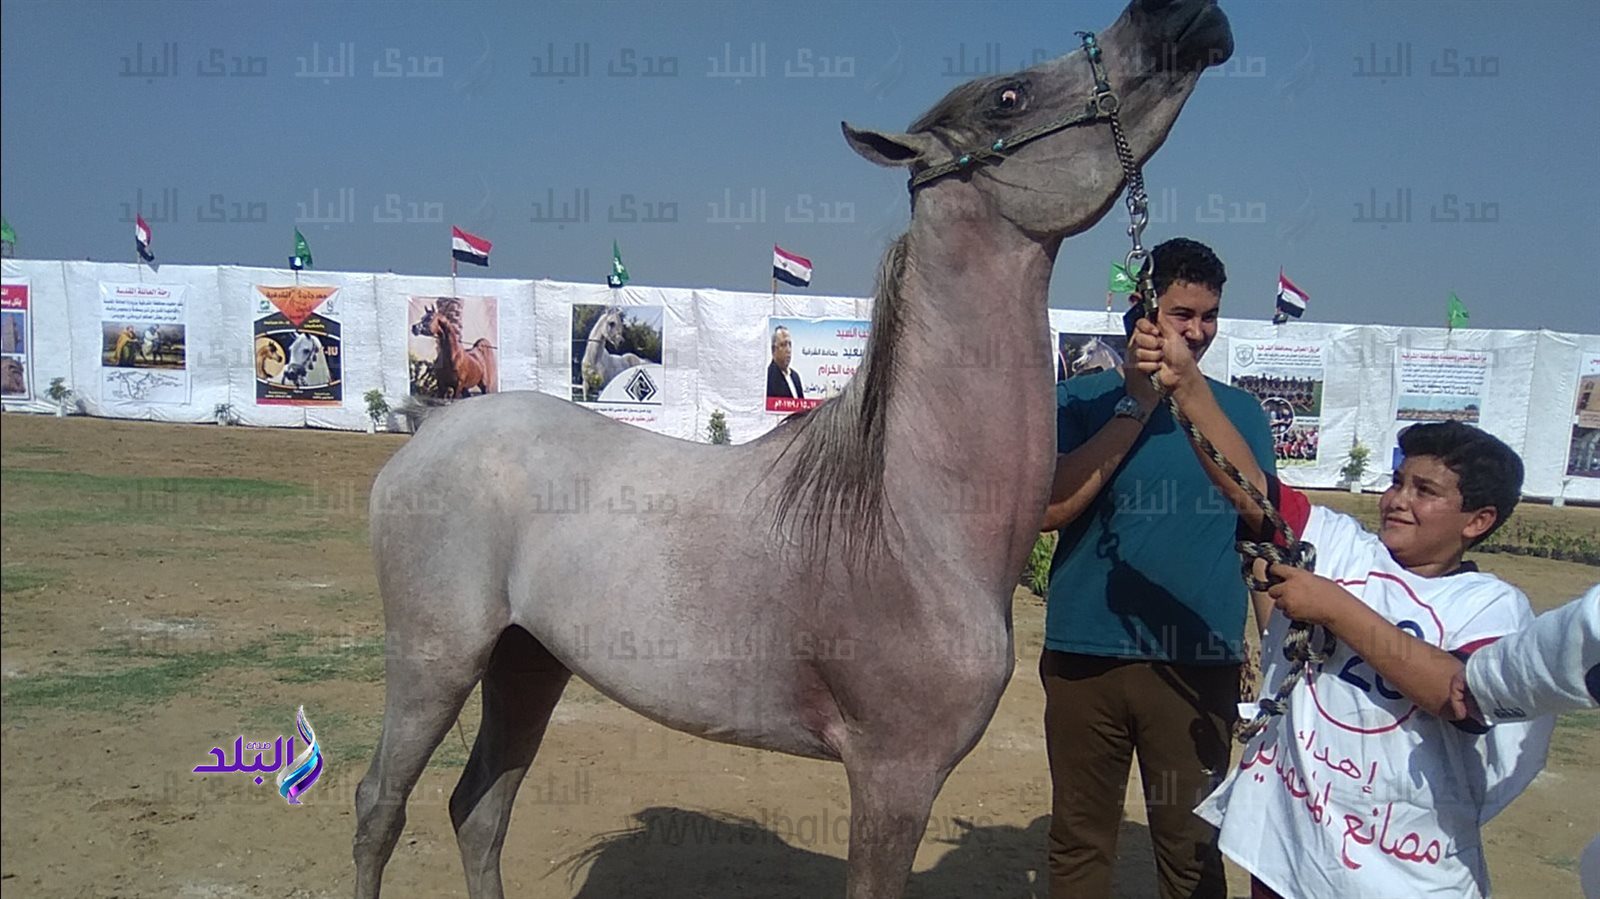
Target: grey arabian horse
[[862, 555]]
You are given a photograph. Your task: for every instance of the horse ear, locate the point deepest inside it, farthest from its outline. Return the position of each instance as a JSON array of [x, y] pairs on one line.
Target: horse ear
[[888, 148]]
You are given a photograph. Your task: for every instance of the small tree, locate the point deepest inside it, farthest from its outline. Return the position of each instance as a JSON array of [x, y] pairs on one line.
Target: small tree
[[1356, 465], [59, 391], [717, 430], [60, 394], [377, 406], [224, 414]]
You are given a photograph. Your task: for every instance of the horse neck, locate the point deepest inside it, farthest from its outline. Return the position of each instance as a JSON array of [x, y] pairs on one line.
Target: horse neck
[[449, 341], [595, 346], [974, 338]]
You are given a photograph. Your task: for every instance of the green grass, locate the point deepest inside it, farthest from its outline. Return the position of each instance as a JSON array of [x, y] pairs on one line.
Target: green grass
[[1564, 862], [129, 676], [17, 578], [339, 599], [123, 687], [37, 450], [100, 484], [301, 659], [1574, 737]]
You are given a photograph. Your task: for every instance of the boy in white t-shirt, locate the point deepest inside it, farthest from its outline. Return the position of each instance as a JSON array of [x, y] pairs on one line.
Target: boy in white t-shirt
[[1366, 785]]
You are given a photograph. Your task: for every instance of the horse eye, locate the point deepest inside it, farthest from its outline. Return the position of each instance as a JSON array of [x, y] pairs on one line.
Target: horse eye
[[1009, 98]]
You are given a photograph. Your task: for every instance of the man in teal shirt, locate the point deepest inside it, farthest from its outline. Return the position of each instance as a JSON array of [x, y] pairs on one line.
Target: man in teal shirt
[[1145, 625]]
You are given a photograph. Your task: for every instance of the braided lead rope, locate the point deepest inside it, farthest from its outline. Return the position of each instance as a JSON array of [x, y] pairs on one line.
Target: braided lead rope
[[1298, 553]]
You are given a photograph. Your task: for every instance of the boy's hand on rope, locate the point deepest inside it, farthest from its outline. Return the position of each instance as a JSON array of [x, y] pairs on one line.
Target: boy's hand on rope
[[1306, 597], [1163, 354]]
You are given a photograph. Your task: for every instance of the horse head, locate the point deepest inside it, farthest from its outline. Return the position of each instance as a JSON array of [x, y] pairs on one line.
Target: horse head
[[304, 354], [269, 358], [424, 325], [1032, 144], [1095, 355], [608, 328]]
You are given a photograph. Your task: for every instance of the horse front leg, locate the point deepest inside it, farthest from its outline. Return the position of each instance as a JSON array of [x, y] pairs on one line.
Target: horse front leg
[[890, 799]]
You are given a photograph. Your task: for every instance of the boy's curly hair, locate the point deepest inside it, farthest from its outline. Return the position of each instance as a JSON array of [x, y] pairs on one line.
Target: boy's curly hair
[[1489, 471]]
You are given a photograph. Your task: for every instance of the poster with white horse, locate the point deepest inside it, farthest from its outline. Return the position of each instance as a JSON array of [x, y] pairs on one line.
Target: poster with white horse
[[812, 359], [16, 342], [1080, 354], [616, 359], [298, 353], [143, 350]]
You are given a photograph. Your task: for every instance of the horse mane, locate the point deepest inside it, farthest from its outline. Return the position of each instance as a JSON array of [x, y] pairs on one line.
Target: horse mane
[[838, 447]]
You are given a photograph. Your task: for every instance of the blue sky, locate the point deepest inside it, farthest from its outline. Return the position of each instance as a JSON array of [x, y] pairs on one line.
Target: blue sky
[[1290, 133]]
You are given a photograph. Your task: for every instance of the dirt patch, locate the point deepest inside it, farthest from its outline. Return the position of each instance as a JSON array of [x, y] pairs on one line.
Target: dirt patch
[[168, 588]]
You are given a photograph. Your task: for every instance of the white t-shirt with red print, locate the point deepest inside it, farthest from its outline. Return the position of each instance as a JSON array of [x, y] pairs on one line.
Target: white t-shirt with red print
[[1354, 792]]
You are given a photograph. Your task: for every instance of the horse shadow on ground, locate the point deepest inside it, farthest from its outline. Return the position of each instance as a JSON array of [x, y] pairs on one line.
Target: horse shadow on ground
[[671, 853]]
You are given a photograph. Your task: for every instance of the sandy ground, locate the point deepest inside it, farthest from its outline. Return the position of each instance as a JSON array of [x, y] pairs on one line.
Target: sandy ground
[[152, 612]]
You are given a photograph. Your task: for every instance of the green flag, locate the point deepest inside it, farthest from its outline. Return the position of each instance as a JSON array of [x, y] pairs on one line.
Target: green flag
[[302, 252], [619, 272], [1121, 281], [7, 235], [1458, 312]]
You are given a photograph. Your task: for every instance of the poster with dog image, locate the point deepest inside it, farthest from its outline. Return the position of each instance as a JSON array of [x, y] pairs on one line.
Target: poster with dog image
[[299, 356]]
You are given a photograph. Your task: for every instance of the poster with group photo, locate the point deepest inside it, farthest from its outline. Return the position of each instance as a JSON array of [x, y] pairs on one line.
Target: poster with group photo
[[1286, 378], [1439, 385], [299, 356], [143, 343], [812, 359], [16, 342], [453, 346], [1583, 458]]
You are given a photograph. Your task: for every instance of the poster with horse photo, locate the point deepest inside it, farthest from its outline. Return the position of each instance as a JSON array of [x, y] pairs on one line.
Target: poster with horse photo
[[812, 360], [299, 356], [1583, 456], [1085, 354], [1286, 378], [453, 346], [143, 343], [616, 359], [16, 343]]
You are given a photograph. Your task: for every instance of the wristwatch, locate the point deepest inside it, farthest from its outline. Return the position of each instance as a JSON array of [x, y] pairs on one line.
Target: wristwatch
[[1128, 407]]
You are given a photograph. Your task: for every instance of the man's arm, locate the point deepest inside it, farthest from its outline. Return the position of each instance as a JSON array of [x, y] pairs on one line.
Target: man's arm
[[1549, 666], [1082, 473], [1168, 357]]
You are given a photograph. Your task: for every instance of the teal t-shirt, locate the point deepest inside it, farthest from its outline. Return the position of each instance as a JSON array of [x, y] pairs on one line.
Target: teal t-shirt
[[1149, 571]]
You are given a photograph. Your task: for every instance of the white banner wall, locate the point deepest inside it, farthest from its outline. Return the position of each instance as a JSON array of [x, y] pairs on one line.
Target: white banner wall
[[714, 348]]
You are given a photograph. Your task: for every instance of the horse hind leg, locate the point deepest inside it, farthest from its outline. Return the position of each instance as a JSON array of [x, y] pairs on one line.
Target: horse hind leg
[[424, 688], [520, 690]]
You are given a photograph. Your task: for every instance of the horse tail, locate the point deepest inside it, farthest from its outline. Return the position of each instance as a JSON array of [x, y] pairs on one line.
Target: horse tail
[[490, 372], [416, 410]]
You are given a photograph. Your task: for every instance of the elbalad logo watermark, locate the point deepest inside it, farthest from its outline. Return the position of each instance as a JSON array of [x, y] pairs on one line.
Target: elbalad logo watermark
[[295, 776]]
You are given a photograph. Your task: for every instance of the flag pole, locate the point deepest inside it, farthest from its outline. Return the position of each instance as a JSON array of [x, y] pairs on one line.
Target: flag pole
[[452, 274]]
